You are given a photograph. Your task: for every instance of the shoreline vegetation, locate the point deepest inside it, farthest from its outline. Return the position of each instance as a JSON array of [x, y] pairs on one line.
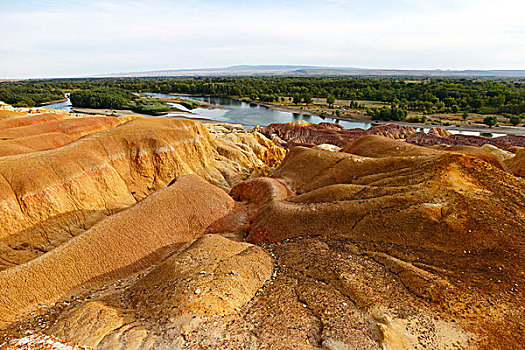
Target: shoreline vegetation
[[356, 117], [187, 103], [361, 117], [113, 98], [481, 105]]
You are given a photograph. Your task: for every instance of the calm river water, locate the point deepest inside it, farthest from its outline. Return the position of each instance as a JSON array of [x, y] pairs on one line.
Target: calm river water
[[249, 115]]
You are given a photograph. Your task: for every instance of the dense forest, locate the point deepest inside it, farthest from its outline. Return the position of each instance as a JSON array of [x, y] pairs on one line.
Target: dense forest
[[29, 94], [112, 98], [115, 98], [425, 95]]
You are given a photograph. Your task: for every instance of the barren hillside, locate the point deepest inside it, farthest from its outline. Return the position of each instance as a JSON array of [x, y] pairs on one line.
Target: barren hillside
[[168, 234]]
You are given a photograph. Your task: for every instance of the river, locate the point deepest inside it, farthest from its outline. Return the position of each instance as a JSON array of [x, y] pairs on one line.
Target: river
[[249, 114], [65, 105]]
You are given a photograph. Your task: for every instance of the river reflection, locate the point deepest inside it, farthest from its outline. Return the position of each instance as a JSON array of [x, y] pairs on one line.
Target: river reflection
[[251, 114]]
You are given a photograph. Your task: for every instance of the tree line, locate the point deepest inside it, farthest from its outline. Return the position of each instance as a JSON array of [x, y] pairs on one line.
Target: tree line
[[25, 94], [115, 98], [427, 95]]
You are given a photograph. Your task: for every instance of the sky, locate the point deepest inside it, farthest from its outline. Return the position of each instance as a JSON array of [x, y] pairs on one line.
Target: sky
[[43, 38]]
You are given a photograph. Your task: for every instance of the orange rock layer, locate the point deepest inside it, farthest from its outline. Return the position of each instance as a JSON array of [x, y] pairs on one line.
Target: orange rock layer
[[385, 244]]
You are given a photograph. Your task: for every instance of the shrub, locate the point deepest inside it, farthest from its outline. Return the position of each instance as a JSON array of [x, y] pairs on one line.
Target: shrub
[[491, 121], [190, 104], [515, 120], [151, 107], [387, 114]]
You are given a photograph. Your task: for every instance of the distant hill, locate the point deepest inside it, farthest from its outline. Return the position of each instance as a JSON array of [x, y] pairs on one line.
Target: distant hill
[[284, 70]]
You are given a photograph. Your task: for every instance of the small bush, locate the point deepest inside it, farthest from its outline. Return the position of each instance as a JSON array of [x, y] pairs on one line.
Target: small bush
[[491, 121], [151, 107], [190, 104], [515, 120]]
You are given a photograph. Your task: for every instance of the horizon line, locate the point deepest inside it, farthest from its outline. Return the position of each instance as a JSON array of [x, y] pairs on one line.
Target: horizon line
[[274, 67]]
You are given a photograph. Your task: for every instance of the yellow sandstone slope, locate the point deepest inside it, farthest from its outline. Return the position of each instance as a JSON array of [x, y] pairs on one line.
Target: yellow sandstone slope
[[122, 244], [50, 196], [212, 277]]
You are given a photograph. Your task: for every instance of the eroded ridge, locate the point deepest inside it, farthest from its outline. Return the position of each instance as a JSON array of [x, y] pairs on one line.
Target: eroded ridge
[[384, 245]]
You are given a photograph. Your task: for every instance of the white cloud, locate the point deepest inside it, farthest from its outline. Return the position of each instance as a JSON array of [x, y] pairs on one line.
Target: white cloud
[[80, 38]]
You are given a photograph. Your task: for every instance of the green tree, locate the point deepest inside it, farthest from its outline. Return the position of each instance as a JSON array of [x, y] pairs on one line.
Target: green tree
[[297, 99], [465, 115], [491, 121], [330, 100], [111, 98], [267, 98], [307, 98], [515, 120]]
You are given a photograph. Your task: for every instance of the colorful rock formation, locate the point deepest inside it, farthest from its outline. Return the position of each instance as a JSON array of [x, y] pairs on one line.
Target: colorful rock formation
[[305, 134], [516, 164], [72, 187], [502, 142], [213, 277], [385, 244]]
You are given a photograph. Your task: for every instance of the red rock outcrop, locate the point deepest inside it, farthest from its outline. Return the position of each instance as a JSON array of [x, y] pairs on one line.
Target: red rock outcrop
[[481, 154], [382, 147], [47, 131], [306, 134], [502, 142], [439, 132], [76, 127], [34, 143], [422, 217], [29, 120], [338, 196], [27, 133]]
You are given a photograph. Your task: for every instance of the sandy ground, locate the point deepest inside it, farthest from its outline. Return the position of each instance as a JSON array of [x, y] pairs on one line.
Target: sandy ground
[[127, 112], [202, 104], [43, 104]]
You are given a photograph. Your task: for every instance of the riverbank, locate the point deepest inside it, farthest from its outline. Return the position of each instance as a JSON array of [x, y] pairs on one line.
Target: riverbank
[[43, 104], [202, 104], [362, 117], [210, 111], [359, 116], [127, 112]]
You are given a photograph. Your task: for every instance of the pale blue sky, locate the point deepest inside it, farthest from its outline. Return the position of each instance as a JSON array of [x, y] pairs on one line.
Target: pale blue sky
[[77, 38]]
